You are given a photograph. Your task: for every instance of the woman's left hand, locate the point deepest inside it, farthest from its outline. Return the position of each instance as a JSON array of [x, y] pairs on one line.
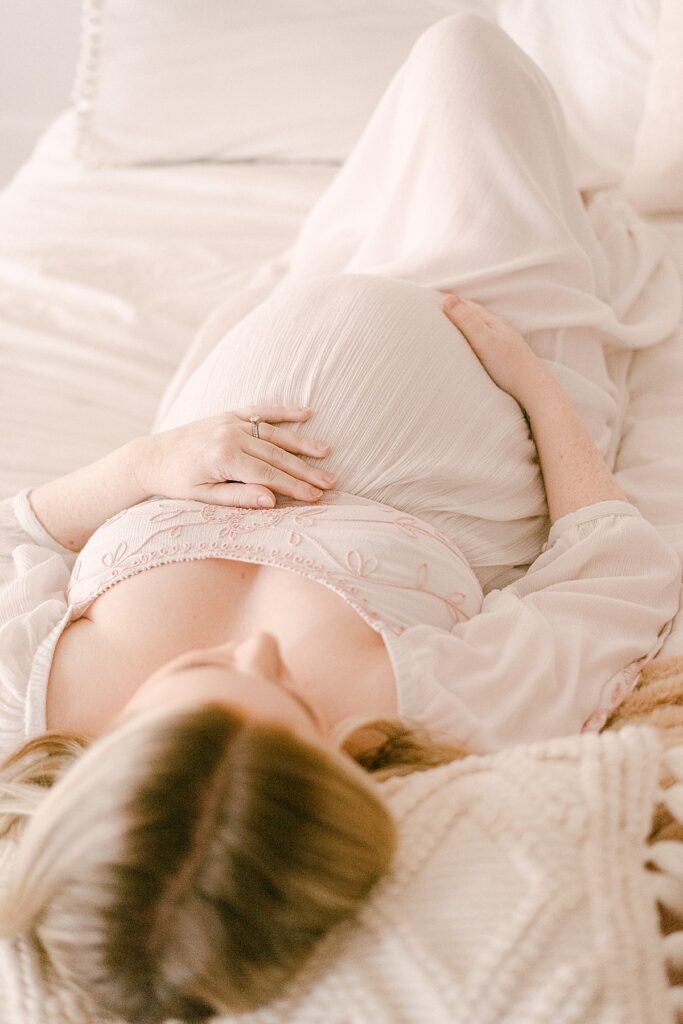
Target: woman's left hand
[[217, 460], [503, 352]]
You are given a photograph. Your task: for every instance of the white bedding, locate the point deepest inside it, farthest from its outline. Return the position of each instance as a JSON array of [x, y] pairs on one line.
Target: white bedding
[[105, 277]]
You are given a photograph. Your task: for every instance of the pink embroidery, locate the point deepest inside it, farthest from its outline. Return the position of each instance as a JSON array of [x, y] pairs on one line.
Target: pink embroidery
[[360, 566], [415, 529], [453, 603], [112, 557], [228, 528]]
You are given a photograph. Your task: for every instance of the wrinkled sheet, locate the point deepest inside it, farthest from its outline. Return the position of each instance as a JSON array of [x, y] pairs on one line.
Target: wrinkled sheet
[[113, 284], [105, 278]]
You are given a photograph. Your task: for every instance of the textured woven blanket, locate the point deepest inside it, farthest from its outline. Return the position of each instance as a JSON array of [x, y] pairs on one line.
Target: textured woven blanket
[[533, 886]]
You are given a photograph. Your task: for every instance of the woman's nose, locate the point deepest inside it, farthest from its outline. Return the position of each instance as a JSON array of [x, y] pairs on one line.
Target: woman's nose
[[260, 652]]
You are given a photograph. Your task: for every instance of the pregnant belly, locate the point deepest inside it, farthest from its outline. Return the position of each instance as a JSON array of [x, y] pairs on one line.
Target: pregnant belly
[[148, 619], [413, 419]]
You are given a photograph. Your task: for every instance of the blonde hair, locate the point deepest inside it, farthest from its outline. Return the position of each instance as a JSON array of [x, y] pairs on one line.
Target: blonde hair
[[186, 863]]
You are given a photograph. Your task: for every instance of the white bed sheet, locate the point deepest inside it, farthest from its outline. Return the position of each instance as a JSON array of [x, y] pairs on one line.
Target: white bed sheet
[[107, 276]]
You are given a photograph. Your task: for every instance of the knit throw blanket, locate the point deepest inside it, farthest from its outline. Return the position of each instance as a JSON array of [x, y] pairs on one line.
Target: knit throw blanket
[[539, 885]]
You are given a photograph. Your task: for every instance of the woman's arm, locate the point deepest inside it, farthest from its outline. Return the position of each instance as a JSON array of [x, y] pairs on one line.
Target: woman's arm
[[555, 651], [73, 506], [216, 460], [574, 472]]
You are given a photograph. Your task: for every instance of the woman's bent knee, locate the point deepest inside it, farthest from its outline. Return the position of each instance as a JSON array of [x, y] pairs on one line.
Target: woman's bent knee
[[470, 57], [461, 38]]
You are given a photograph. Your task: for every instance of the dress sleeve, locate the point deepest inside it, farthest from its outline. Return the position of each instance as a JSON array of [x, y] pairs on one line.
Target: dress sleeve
[[34, 576], [553, 652]]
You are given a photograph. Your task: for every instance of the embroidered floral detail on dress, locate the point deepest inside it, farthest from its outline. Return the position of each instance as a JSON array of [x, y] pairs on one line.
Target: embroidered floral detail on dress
[[360, 566], [379, 591], [454, 604], [111, 558]]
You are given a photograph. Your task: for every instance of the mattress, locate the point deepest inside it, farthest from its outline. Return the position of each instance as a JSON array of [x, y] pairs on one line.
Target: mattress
[[114, 283]]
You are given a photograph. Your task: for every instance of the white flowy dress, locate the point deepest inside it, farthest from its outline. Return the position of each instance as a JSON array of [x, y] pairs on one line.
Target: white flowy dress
[[460, 181]]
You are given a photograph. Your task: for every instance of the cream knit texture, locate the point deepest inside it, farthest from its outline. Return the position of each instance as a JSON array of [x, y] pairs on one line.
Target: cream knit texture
[[518, 894]]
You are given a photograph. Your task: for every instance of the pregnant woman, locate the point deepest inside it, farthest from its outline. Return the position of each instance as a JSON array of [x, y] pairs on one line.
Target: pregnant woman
[[207, 643]]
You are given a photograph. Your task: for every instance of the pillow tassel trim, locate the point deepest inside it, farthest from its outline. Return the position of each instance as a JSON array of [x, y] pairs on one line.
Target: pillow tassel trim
[[84, 91], [666, 857]]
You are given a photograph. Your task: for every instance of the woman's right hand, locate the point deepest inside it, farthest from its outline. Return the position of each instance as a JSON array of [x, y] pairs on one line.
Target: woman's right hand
[[217, 460], [501, 349]]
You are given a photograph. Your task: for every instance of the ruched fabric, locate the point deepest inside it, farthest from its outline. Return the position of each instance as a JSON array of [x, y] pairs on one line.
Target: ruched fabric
[[460, 181]]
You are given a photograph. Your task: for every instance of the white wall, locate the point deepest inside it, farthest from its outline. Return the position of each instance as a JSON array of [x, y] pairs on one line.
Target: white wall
[[38, 52]]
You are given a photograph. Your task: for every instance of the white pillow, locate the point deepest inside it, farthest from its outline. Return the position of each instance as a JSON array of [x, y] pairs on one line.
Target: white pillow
[[519, 893], [298, 79], [598, 55], [259, 79], [655, 180]]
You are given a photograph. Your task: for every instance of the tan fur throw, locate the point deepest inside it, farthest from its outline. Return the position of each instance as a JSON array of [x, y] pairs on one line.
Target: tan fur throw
[[657, 699]]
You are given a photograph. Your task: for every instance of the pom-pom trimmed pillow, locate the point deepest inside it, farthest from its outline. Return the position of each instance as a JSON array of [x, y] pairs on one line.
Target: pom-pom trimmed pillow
[[297, 80]]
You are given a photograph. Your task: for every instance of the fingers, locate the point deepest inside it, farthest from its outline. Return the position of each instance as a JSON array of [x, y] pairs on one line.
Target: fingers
[[468, 316], [276, 413], [282, 437], [292, 442], [271, 458], [290, 464], [463, 315], [489, 318], [258, 471], [237, 495], [457, 308]]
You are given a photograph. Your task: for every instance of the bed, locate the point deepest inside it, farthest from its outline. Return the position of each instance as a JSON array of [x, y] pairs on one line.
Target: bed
[[120, 266]]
